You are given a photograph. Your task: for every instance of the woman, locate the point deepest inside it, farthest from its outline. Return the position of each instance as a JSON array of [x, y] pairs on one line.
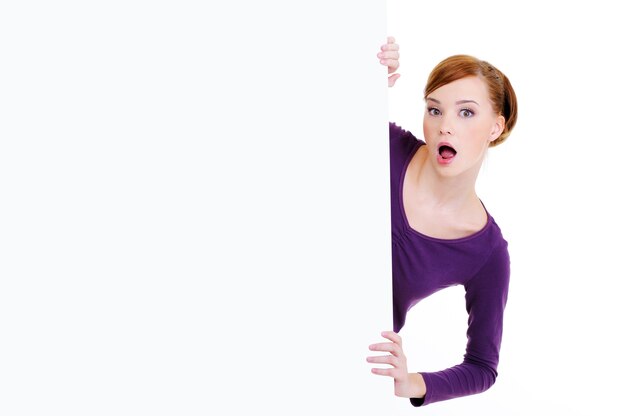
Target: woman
[[442, 235]]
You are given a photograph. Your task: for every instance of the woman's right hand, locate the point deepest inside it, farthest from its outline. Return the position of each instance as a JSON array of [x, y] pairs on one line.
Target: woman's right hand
[[390, 57], [409, 385]]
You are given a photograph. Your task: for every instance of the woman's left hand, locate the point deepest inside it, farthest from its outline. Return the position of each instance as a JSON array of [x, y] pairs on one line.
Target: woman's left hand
[[405, 384], [389, 56]]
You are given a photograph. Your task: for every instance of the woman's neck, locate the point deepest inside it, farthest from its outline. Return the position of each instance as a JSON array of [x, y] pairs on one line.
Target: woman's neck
[[451, 192]]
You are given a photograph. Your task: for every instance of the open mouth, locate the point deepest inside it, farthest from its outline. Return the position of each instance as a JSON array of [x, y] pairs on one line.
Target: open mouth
[[446, 151]]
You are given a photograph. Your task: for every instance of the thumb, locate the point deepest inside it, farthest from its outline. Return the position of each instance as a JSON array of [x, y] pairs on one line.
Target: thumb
[[391, 80]]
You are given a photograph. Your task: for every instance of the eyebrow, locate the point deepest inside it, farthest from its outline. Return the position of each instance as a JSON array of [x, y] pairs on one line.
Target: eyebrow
[[457, 103]]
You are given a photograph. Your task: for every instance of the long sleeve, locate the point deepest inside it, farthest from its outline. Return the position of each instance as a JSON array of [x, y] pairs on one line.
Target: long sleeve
[[486, 296]]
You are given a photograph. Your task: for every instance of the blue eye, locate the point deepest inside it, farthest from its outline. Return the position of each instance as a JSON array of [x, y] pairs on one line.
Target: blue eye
[[466, 112], [433, 111]]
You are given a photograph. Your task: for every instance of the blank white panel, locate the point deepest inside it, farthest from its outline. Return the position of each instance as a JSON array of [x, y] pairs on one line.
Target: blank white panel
[[194, 211]]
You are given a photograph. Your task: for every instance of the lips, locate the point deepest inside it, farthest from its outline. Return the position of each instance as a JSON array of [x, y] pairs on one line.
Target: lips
[[446, 153]]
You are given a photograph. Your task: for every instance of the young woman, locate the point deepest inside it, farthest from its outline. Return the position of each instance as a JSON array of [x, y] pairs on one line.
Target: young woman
[[442, 235]]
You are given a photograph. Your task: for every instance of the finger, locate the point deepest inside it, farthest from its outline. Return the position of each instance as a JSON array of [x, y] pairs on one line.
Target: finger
[[391, 63], [390, 47], [391, 81], [391, 39], [386, 347], [392, 336], [389, 55], [389, 372], [384, 359]]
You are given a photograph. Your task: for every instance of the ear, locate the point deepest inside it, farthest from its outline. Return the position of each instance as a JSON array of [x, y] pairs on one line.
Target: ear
[[497, 128]]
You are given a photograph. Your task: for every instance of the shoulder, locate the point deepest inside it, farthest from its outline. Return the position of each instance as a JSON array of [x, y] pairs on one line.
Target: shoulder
[[493, 276], [499, 245], [402, 142], [490, 248], [398, 133], [395, 130]]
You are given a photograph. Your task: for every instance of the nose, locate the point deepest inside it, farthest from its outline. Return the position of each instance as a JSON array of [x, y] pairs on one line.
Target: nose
[[446, 128]]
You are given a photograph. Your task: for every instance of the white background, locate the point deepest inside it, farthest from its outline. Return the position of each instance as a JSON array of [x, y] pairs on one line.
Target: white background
[[555, 188], [194, 212]]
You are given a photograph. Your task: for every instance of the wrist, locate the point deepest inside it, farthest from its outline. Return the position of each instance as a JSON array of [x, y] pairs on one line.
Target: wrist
[[418, 385]]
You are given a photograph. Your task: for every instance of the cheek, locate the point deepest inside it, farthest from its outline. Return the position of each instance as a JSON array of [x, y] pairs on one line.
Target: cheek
[[479, 132], [477, 139], [430, 130]]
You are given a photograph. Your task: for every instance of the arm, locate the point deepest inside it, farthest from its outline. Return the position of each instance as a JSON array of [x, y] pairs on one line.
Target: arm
[[389, 56], [486, 296]]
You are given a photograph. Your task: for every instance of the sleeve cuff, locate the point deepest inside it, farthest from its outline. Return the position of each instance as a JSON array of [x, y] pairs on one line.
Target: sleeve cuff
[[417, 402]]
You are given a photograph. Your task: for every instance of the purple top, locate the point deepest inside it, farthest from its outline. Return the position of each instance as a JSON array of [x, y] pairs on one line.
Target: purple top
[[422, 265]]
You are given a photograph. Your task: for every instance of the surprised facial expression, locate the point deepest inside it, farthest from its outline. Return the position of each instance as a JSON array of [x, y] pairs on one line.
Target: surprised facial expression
[[459, 125]]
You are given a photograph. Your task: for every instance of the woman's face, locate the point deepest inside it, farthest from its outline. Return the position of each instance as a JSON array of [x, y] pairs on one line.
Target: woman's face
[[459, 124]]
